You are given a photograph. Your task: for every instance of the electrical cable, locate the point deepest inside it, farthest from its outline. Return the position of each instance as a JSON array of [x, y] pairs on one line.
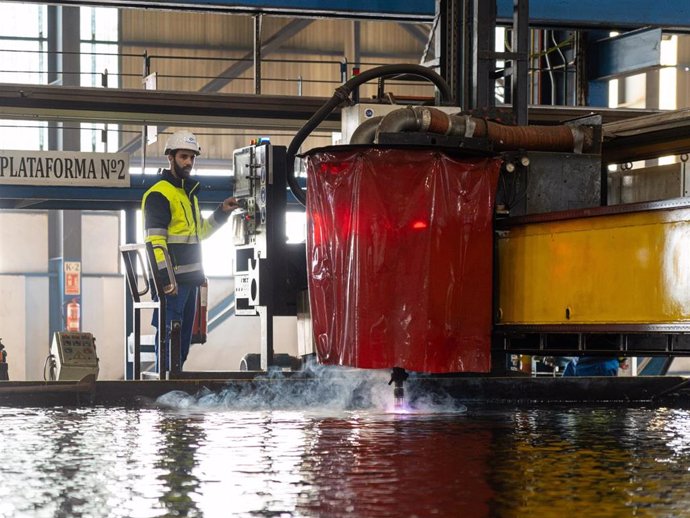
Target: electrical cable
[[49, 359]]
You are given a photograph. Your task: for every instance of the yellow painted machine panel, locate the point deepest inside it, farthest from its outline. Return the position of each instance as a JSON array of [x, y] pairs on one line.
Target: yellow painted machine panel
[[630, 268]]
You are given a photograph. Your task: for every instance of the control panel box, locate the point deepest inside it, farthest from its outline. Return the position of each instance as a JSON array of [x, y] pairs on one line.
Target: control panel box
[[251, 167], [75, 355], [269, 272], [243, 167]]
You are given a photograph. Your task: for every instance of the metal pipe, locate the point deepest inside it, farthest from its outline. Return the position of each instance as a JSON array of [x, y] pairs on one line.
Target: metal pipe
[[366, 132], [424, 119], [403, 119], [431, 120]]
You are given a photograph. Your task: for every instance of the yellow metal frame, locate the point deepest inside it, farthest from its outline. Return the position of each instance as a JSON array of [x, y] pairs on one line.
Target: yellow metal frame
[[629, 268]]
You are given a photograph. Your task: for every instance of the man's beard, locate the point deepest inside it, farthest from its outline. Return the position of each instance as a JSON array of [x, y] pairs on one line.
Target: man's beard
[[182, 172]]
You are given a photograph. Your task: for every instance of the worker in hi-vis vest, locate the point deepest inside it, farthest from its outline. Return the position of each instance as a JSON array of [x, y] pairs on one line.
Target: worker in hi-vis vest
[[172, 220]]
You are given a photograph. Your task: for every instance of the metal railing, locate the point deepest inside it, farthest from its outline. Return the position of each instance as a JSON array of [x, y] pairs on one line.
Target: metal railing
[[142, 256], [337, 70]]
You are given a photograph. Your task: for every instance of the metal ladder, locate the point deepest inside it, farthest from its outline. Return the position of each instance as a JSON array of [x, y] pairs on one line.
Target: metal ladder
[[169, 358]]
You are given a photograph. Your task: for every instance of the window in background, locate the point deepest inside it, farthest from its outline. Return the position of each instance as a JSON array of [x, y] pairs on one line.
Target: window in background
[[23, 42], [99, 65]]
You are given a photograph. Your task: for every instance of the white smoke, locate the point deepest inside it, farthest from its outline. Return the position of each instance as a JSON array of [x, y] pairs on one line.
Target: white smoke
[[317, 388]]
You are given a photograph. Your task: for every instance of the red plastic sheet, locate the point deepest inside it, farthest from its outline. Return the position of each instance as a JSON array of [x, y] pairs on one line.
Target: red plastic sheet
[[399, 249]]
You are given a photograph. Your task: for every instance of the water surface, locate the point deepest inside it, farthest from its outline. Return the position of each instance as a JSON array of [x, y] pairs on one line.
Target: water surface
[[192, 458]]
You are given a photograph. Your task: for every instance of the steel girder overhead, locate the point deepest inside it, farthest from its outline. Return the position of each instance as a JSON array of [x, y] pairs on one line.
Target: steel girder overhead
[[556, 13], [40, 102], [403, 10], [267, 112], [45, 103]]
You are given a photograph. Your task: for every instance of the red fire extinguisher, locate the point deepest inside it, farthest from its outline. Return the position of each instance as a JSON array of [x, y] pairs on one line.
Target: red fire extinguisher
[[73, 316], [200, 327]]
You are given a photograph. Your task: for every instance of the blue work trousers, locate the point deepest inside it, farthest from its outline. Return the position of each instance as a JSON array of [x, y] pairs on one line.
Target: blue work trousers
[[588, 366], [180, 307]]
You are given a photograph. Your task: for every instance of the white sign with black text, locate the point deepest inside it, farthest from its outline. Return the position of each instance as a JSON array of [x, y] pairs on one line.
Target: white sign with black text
[[64, 168]]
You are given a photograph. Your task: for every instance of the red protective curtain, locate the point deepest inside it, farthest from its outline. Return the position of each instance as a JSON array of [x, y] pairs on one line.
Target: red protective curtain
[[399, 250]]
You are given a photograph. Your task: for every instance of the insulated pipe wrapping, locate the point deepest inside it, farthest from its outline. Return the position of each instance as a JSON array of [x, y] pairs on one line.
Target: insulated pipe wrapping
[[531, 138]]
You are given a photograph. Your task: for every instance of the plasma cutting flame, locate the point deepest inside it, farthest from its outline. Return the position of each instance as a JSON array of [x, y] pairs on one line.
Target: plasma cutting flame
[[399, 398]]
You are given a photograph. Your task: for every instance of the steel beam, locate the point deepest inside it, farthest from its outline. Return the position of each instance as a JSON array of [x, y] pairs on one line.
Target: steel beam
[[36, 102], [404, 10], [610, 14], [624, 14], [214, 189], [646, 137], [483, 59], [626, 54], [265, 112], [453, 48], [519, 95]]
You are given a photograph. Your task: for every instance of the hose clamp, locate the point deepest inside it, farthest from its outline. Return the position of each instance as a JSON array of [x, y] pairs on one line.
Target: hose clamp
[[578, 139]]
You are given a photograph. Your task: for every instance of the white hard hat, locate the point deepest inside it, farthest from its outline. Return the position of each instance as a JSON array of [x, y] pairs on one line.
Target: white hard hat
[[182, 140]]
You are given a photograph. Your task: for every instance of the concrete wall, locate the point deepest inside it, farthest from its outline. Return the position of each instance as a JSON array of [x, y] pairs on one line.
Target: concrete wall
[[24, 292], [24, 324]]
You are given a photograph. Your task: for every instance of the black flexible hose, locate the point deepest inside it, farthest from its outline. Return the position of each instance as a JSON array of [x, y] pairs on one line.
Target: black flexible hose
[[49, 364], [342, 93]]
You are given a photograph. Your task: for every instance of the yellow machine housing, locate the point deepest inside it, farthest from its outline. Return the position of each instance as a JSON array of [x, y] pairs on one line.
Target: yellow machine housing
[[608, 280], [611, 266]]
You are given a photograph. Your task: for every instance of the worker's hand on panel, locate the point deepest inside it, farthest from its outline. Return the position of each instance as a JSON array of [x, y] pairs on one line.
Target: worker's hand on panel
[[229, 204]]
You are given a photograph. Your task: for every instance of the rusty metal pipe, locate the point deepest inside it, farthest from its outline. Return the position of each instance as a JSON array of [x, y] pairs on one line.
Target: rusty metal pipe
[[532, 138]]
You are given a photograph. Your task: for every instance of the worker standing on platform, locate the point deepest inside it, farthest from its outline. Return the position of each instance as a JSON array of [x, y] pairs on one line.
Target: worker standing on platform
[[172, 220], [4, 368]]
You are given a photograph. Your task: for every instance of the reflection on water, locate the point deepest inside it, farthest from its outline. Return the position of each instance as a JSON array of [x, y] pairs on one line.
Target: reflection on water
[[118, 462]]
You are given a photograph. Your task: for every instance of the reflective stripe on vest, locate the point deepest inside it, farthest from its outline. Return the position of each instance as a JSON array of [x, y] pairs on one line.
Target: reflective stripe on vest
[[152, 232]]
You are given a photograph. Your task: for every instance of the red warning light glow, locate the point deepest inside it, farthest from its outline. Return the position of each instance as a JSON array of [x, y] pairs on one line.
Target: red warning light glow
[[418, 225]]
